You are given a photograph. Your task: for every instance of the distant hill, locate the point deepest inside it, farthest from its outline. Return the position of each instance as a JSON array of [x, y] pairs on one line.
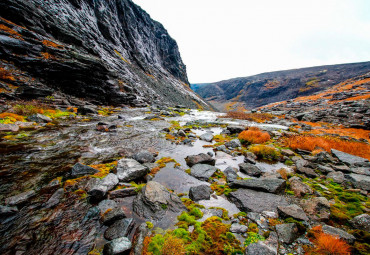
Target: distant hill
[[262, 89]]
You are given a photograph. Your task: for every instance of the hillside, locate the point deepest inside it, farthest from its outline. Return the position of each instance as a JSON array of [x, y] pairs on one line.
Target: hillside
[[104, 52], [262, 89]]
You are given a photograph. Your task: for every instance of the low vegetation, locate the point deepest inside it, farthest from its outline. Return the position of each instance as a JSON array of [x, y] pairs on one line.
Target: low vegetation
[[253, 135]]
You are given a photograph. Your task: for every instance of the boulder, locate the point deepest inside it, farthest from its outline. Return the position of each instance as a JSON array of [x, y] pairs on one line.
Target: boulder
[[117, 246], [120, 228], [201, 158], [231, 174], [208, 137], [79, 170], [250, 169], [130, 170], [238, 228], [268, 247], [266, 185], [302, 168], [287, 232], [9, 127], [235, 143], [201, 192], [359, 181], [109, 217], [7, 211], [202, 171], [361, 222], [299, 188], [84, 110], [293, 211], [181, 133], [154, 201], [318, 208], [55, 198], [106, 205], [337, 177], [287, 152], [144, 157], [39, 118], [349, 159], [339, 232], [121, 193], [100, 189], [20, 198], [235, 129], [248, 200]]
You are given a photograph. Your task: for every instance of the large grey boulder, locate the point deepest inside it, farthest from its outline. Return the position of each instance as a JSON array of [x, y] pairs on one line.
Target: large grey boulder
[[100, 189], [318, 208], [119, 246], [299, 188], [106, 205], [238, 228], [359, 181], [233, 129], [154, 201], [20, 198], [235, 143], [109, 217], [349, 159], [266, 185], [208, 137], [248, 200], [302, 167], [361, 222], [293, 211], [79, 170], [250, 169], [201, 192], [339, 232], [337, 177], [287, 232], [230, 174], [201, 158], [39, 118], [202, 171], [120, 228], [144, 157], [130, 170]]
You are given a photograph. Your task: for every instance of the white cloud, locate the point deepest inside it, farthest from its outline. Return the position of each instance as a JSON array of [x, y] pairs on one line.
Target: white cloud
[[220, 40]]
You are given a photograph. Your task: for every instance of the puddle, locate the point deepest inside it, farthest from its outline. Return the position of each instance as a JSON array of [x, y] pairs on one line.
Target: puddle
[[218, 201]]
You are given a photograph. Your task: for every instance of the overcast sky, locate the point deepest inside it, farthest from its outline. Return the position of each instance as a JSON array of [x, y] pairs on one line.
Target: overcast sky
[[221, 39]]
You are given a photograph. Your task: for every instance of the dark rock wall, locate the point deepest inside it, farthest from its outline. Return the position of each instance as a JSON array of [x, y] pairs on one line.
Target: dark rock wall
[[106, 51]]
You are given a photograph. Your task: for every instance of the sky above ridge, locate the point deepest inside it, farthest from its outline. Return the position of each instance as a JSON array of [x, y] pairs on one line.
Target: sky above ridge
[[221, 39]]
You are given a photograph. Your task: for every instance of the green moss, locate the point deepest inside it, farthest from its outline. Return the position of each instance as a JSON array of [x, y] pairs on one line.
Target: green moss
[[225, 213], [149, 225], [156, 244], [253, 238], [196, 213], [289, 162], [164, 206], [252, 227]]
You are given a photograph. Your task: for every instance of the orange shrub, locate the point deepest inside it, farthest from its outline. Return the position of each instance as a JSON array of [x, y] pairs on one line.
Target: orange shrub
[[311, 143], [6, 74], [173, 246], [252, 136]]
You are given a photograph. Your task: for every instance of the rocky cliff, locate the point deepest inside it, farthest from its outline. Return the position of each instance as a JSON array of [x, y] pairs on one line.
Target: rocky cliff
[[106, 52], [262, 89]]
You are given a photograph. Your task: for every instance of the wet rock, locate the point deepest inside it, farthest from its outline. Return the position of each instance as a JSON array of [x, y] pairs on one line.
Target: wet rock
[[325, 169], [7, 211], [299, 188], [260, 248], [85, 110], [117, 246], [113, 215], [293, 211], [55, 198], [120, 228], [121, 193], [92, 214], [361, 222], [181, 133], [106, 205], [79, 170], [248, 200], [250, 169], [98, 191], [9, 127], [309, 172], [231, 174], [338, 232], [318, 208], [208, 137], [39, 118], [216, 212], [202, 171], [342, 168], [139, 237], [235, 129], [337, 177], [154, 201], [349, 159], [235, 143], [129, 170], [359, 181], [266, 185], [323, 157], [287, 152], [287, 232], [221, 148], [201, 192], [20, 198], [144, 157], [238, 228], [201, 158]]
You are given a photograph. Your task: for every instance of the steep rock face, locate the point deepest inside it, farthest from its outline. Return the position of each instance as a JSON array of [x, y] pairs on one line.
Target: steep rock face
[[108, 52], [266, 88]]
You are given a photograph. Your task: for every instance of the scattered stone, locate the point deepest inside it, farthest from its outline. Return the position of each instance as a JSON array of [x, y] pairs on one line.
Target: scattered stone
[[55, 198], [7, 211], [208, 137], [325, 169], [121, 193], [309, 172], [318, 208], [269, 214], [342, 168], [144, 157], [293, 211], [79, 170], [238, 228], [338, 232], [109, 217], [299, 188], [201, 192], [181, 133], [9, 127], [359, 181], [201, 158], [287, 232], [337, 177], [231, 174], [98, 191], [250, 169], [39, 118], [202, 171], [84, 110], [266, 185], [106, 205], [361, 222], [287, 152], [130, 170], [248, 200], [120, 228], [349, 159], [235, 129], [20, 198], [235, 143], [117, 246]]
